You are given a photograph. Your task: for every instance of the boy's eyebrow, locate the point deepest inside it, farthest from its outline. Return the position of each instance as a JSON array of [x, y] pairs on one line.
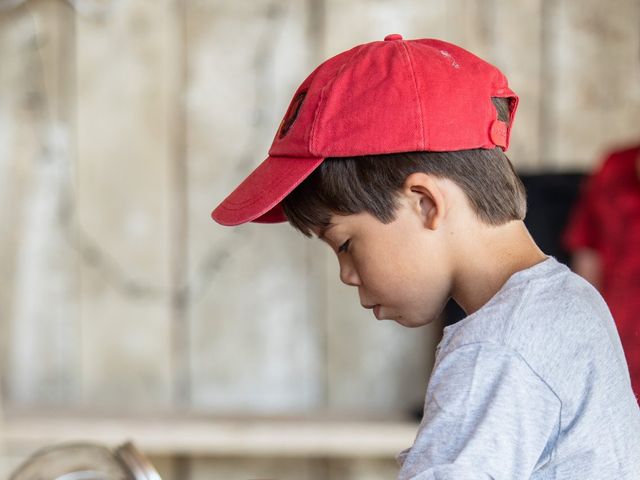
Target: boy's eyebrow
[[324, 230]]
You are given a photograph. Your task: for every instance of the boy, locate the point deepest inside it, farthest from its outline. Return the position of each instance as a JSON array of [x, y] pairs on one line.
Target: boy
[[392, 154]]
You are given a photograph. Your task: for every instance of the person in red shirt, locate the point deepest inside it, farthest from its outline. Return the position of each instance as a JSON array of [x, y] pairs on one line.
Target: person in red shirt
[[603, 236]]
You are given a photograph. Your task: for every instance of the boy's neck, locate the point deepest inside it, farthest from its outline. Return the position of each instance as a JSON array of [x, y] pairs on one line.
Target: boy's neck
[[483, 269]]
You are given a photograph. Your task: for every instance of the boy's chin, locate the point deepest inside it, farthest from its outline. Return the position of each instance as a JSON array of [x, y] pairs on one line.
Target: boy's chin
[[409, 322]]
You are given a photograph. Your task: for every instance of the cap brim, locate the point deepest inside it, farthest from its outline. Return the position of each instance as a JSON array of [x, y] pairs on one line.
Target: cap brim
[[258, 197]]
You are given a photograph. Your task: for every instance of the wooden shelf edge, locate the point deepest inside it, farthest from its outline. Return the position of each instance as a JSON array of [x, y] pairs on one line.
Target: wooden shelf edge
[[217, 437]]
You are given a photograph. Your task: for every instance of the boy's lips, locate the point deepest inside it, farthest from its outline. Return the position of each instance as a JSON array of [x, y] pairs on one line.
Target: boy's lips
[[376, 308]]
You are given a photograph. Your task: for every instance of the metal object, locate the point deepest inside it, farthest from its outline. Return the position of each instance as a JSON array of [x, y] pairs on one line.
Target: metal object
[[86, 461], [135, 463]]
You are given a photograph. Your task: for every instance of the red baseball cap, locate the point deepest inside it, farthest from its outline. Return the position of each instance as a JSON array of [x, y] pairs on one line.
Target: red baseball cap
[[381, 97]]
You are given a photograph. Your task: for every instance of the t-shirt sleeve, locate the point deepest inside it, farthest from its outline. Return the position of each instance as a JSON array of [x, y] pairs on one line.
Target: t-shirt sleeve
[[487, 415]]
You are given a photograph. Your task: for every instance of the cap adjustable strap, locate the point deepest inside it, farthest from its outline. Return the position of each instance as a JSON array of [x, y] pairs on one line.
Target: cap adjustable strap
[[499, 132]]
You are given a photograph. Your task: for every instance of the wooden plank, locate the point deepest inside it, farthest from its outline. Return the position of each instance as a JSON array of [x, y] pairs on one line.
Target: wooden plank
[[254, 327], [359, 468], [37, 263], [591, 86], [15, 155], [127, 80], [353, 22], [309, 437], [259, 468], [37, 338]]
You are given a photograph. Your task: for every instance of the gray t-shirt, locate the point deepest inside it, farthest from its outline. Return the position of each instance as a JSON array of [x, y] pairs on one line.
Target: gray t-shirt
[[533, 385]]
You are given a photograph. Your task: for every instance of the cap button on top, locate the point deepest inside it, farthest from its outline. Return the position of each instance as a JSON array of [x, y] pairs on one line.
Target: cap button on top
[[393, 36]]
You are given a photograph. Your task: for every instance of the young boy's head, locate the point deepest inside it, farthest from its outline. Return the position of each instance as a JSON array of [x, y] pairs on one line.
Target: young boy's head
[[393, 154]]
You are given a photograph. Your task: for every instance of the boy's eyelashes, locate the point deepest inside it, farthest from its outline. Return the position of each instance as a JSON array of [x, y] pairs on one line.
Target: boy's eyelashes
[[344, 246]]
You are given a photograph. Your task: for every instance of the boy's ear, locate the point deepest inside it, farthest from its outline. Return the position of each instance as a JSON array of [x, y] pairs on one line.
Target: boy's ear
[[426, 198]]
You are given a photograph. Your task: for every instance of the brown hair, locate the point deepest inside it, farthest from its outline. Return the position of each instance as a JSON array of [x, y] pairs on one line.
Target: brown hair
[[371, 183]]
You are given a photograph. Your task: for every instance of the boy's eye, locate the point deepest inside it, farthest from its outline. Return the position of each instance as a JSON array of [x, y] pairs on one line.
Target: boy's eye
[[344, 246]]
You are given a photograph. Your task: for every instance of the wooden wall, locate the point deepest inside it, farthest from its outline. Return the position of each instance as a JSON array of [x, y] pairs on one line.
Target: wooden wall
[[123, 123]]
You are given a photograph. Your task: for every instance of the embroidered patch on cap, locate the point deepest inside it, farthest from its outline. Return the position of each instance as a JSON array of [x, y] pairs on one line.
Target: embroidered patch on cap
[[292, 114]]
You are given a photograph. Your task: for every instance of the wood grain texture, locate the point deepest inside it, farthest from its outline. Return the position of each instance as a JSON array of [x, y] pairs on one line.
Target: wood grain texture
[[251, 301], [39, 285], [591, 90], [118, 135], [126, 86]]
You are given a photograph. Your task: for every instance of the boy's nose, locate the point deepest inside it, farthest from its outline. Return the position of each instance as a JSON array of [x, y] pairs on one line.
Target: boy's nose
[[348, 274]]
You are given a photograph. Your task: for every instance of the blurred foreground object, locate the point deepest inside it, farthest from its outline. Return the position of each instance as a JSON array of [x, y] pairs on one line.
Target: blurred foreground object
[[86, 461]]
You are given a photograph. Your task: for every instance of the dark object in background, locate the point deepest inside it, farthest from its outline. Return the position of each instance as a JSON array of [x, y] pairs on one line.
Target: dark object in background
[[550, 198]]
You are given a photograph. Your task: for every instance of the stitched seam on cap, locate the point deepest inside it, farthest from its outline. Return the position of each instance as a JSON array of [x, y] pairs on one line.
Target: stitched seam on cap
[[312, 135], [415, 85], [312, 140]]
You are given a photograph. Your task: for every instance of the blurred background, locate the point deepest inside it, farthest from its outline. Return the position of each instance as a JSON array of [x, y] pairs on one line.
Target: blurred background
[[127, 313]]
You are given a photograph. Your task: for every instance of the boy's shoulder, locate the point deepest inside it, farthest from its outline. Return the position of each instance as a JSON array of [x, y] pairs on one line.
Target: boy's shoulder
[[537, 310], [554, 321]]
